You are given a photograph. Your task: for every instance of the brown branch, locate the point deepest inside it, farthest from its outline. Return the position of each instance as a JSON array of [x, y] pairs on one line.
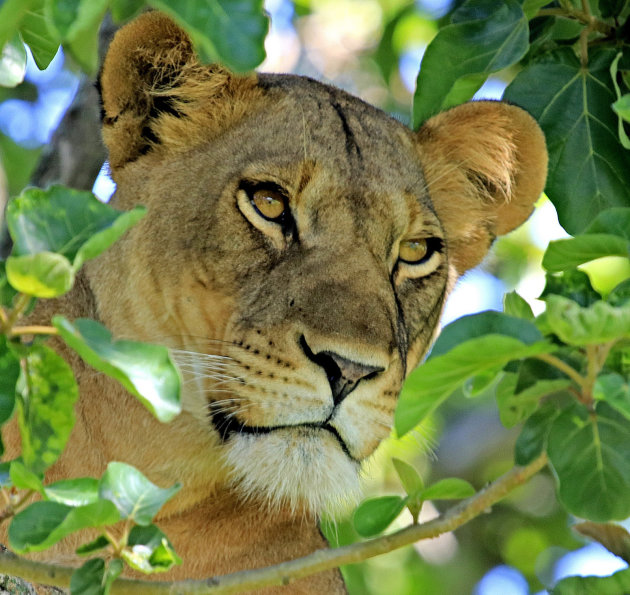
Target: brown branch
[[282, 574]]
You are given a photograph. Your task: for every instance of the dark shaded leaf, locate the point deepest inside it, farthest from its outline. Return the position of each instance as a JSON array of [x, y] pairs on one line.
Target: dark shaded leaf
[[43, 524], [572, 284], [9, 374], [588, 170], [532, 440], [228, 31], [615, 584], [615, 538], [590, 455], [615, 390], [89, 578], [93, 546], [483, 37]]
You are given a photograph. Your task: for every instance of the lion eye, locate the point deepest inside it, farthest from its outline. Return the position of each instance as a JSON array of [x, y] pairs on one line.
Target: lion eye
[[413, 251], [269, 203]]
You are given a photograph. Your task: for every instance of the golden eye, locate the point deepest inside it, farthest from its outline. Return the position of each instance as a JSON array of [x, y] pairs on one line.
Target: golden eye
[[413, 251], [271, 204]]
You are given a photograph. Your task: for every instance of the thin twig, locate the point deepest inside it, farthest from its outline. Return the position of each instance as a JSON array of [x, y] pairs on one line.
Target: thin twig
[[282, 574], [33, 330], [556, 362]]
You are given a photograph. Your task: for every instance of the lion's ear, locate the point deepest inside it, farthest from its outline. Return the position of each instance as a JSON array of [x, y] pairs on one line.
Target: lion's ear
[[155, 92], [485, 165]]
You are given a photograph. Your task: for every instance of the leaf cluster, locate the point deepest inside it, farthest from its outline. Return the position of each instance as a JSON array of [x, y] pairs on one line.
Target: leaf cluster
[[54, 232]]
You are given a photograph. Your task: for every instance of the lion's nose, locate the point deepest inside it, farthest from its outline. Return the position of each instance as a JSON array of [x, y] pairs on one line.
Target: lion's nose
[[343, 374]]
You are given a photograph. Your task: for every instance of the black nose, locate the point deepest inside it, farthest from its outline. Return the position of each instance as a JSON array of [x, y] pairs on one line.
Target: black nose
[[343, 374]]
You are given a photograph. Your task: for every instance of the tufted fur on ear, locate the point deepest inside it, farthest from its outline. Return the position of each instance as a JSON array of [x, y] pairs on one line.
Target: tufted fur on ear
[[485, 165], [155, 92]]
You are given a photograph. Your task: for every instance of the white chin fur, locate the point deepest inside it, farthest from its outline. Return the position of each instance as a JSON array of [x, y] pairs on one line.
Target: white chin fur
[[303, 469]]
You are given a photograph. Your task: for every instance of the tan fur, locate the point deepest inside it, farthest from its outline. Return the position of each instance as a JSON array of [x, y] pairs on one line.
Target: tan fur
[[248, 306]]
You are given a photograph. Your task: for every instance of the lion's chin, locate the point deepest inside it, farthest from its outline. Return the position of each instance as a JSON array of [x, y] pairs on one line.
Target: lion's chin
[[302, 469]]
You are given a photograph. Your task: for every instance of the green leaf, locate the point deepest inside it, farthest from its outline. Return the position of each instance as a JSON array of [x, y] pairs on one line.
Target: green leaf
[[150, 550], [76, 23], [409, 477], [571, 252], [36, 33], [42, 275], [532, 440], [611, 8], [47, 392], [11, 14], [615, 584], [620, 295], [615, 538], [94, 578], [7, 293], [448, 489], [515, 406], [93, 546], [484, 37], [123, 10], [622, 105], [9, 374], [376, 514], [573, 284], [516, 306], [588, 171], [599, 323], [481, 324], [232, 32], [531, 7], [73, 492], [615, 390], [88, 579], [145, 370], [71, 222], [615, 221], [12, 63], [43, 524], [24, 479], [133, 494], [5, 474], [433, 382], [590, 455]]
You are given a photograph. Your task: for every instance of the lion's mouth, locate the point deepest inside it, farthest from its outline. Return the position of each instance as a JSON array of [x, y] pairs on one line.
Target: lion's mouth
[[228, 425]]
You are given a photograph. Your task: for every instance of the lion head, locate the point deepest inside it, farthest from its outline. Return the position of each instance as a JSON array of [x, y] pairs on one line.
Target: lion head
[[297, 252]]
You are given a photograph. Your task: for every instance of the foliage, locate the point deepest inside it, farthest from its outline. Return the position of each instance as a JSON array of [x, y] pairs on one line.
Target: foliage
[[563, 376]]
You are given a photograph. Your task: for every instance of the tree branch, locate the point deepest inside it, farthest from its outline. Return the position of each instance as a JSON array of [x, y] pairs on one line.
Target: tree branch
[[282, 574]]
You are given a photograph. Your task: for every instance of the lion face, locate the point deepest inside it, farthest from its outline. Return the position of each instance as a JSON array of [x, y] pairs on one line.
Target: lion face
[[297, 253]]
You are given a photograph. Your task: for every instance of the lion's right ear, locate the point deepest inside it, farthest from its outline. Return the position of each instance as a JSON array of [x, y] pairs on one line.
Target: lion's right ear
[[156, 93]]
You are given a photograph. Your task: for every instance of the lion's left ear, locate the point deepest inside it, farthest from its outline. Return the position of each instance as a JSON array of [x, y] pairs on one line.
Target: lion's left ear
[[485, 165]]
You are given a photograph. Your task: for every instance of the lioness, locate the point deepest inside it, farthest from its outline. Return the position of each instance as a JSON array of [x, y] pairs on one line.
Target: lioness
[[297, 252]]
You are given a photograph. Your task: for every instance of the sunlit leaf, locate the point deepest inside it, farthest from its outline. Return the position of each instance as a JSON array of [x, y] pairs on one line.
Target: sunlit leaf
[[451, 488], [598, 323], [134, 495], [46, 397], [376, 514], [24, 479], [150, 550], [484, 37], [434, 381], [145, 370], [12, 63], [227, 31], [73, 492], [590, 455], [43, 524], [409, 477], [42, 275], [517, 306], [588, 170]]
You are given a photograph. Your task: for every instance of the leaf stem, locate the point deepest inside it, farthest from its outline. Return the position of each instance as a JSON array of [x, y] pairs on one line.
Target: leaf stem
[[33, 330], [556, 362], [583, 16], [286, 572], [21, 304]]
